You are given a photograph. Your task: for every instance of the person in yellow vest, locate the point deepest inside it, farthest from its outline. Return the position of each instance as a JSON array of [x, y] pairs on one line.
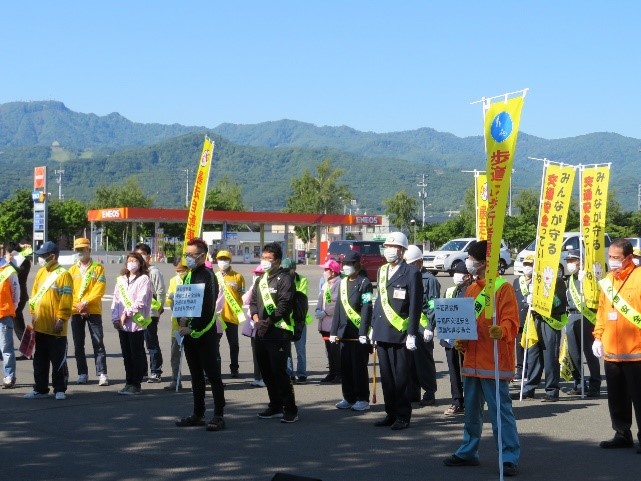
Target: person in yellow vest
[[175, 352], [522, 288], [130, 315], [50, 306], [579, 313], [617, 339], [89, 286], [395, 320], [233, 287], [9, 300]]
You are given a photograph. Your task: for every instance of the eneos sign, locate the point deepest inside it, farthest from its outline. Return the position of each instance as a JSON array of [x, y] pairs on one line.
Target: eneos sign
[[369, 220]]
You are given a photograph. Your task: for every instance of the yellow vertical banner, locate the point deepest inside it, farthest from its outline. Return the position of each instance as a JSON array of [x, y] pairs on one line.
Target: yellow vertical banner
[[594, 201], [501, 131], [481, 206], [556, 194], [197, 206]]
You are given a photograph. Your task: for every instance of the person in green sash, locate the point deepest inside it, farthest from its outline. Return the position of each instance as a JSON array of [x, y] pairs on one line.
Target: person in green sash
[[130, 315], [579, 313], [522, 289]]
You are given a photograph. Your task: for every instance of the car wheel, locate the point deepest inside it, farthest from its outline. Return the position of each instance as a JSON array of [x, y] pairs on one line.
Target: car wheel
[[453, 268], [502, 266]]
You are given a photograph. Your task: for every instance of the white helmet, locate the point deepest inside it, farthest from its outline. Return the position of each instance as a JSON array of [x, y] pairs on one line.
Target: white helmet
[[396, 239], [412, 254]]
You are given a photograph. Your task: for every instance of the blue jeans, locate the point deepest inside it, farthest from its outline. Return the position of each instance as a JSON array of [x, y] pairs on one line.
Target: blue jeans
[[301, 357], [94, 322], [153, 346], [6, 347], [477, 392]]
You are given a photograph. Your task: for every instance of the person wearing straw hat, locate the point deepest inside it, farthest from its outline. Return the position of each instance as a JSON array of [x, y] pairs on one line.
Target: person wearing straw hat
[[351, 316]]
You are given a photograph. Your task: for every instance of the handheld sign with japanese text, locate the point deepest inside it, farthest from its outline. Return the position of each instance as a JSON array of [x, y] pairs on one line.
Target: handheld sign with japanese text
[[188, 300], [455, 318]]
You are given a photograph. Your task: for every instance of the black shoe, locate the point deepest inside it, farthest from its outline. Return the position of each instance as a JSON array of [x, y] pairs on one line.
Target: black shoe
[[328, 379], [289, 418], [618, 441], [270, 413], [515, 396], [337, 380], [400, 424], [22, 357], [454, 460], [388, 421], [549, 399], [301, 380], [510, 469], [191, 421], [427, 402], [593, 392], [235, 375], [217, 423]]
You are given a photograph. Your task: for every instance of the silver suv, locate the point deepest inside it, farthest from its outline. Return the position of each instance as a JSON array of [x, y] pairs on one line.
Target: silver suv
[[455, 251]]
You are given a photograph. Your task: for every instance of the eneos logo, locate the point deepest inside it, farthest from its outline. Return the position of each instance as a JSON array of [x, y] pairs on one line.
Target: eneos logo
[[366, 219], [110, 214]]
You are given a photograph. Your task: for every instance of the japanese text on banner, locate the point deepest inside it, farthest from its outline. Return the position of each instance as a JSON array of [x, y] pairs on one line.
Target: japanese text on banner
[[556, 194], [594, 200], [481, 206], [197, 205]]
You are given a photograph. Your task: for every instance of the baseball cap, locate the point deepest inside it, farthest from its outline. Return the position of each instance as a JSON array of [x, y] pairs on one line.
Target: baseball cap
[[81, 243], [332, 265], [351, 256], [48, 247]]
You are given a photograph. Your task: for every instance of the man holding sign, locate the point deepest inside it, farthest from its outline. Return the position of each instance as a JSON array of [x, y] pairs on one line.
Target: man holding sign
[[479, 368], [201, 342]]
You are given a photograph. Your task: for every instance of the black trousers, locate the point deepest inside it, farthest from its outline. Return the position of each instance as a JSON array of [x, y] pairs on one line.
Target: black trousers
[[78, 331], [153, 346], [624, 391], [422, 372], [573, 331], [234, 347], [333, 356], [520, 354], [454, 360], [394, 364], [202, 357], [50, 351], [544, 356], [355, 381], [132, 345], [272, 359]]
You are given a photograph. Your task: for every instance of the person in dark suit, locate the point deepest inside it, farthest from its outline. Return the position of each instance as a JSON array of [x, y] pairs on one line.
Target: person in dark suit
[[395, 321]]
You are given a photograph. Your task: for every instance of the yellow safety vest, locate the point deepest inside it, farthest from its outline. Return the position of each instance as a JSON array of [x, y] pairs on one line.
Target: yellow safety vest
[[353, 316], [86, 279], [6, 273], [270, 305], [51, 278], [481, 299], [588, 313], [196, 334], [230, 299]]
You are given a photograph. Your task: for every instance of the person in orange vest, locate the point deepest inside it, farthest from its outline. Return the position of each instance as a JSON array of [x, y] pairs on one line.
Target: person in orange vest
[[50, 306], [479, 369], [89, 286], [9, 300], [617, 339]]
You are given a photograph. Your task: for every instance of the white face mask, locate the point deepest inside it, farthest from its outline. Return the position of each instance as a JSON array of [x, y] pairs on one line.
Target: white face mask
[[391, 254], [528, 270], [458, 278], [327, 274], [224, 265], [266, 265], [614, 265], [348, 270], [42, 261], [132, 267], [471, 266], [572, 268]]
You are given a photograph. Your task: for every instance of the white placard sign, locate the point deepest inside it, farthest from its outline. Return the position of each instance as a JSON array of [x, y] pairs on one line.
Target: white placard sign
[[455, 318], [188, 300]]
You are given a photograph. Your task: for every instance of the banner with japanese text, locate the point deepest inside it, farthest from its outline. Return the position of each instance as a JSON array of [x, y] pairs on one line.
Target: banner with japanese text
[[556, 194], [481, 206], [197, 206], [594, 201], [501, 131]]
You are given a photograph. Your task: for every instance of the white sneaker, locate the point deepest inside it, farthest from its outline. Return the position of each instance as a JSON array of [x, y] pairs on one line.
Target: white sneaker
[[257, 383], [360, 406], [8, 382], [60, 396], [103, 380], [344, 404], [35, 395], [82, 379]]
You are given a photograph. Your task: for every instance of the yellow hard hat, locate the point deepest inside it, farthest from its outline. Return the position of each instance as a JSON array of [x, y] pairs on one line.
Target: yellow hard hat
[[225, 254], [529, 259]]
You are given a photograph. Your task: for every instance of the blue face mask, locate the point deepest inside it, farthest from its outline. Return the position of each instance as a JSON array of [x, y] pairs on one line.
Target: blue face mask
[[191, 262]]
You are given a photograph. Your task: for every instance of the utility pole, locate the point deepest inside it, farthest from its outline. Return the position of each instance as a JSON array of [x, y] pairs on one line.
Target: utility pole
[[422, 195], [639, 197], [187, 188], [59, 173]]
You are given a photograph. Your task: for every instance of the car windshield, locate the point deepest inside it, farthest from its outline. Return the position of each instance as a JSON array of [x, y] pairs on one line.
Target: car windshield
[[454, 245], [531, 246]]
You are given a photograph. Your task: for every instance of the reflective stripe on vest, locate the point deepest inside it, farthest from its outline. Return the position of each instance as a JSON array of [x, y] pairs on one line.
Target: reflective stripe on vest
[[620, 304], [230, 299], [588, 313], [51, 278], [353, 316], [394, 319], [481, 299], [86, 279], [138, 318], [471, 372], [556, 324], [269, 304], [196, 334], [6, 273]]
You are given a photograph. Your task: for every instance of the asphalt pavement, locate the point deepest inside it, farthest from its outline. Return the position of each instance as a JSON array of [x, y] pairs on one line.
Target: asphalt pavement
[[96, 434]]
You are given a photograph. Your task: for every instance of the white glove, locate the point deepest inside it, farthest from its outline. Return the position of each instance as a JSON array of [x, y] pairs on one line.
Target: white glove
[[428, 335], [320, 314], [362, 339], [597, 348], [410, 342], [529, 299], [333, 339], [581, 275]]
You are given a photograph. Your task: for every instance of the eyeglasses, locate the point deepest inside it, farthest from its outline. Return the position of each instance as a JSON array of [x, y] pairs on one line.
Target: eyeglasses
[[193, 256]]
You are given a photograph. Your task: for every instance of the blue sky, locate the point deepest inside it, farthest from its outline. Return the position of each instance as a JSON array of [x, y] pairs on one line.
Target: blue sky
[[371, 65]]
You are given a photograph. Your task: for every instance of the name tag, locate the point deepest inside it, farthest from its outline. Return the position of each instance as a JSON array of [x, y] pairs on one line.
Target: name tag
[[399, 294], [612, 316]]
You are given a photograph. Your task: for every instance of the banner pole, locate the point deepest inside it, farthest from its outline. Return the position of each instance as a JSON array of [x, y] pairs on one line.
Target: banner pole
[[582, 264]]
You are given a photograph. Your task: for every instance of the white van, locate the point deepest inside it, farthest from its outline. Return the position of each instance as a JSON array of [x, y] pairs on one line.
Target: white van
[[454, 252], [571, 242]]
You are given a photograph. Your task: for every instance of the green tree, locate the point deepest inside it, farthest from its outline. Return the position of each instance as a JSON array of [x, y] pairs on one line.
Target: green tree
[[401, 209], [225, 195], [66, 218], [16, 217], [528, 204]]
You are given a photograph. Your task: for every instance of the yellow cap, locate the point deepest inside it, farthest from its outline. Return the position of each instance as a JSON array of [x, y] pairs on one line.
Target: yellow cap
[[636, 252], [81, 243], [223, 254], [529, 259]]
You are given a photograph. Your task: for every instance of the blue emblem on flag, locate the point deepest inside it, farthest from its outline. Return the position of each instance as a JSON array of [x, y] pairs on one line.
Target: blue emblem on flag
[[501, 127]]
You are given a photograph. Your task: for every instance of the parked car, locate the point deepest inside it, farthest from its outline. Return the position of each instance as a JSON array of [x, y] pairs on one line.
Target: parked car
[[454, 252], [635, 241], [371, 254], [571, 242]]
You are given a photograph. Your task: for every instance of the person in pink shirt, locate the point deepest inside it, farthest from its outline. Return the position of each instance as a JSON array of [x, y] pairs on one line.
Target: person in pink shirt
[[130, 314]]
